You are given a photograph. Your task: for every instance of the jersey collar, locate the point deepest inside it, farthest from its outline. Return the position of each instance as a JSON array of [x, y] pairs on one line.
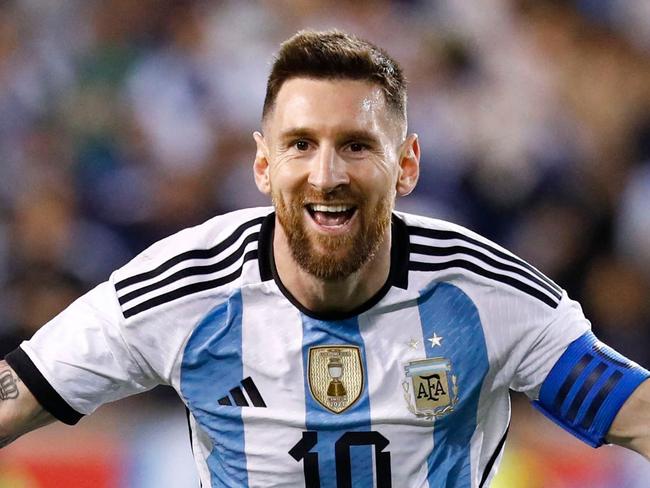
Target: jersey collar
[[397, 276]]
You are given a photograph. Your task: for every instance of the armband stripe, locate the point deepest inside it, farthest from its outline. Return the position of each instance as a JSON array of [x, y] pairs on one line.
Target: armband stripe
[[570, 380], [611, 383], [609, 358], [589, 383]]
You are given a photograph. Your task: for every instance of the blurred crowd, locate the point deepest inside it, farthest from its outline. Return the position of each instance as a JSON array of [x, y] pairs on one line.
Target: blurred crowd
[[122, 121]]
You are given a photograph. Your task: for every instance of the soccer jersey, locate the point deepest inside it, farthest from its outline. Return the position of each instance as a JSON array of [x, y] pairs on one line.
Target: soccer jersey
[[409, 390]]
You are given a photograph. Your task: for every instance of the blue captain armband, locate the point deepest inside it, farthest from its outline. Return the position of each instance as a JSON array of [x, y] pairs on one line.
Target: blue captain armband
[[587, 387]]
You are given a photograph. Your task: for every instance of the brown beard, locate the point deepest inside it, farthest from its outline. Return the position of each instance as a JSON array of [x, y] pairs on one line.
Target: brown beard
[[335, 257]]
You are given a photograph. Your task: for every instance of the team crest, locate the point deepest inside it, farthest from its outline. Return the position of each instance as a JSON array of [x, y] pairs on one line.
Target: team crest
[[430, 387], [335, 376]]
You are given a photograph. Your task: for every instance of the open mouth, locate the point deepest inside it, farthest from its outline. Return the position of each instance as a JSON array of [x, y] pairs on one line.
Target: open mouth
[[331, 215]]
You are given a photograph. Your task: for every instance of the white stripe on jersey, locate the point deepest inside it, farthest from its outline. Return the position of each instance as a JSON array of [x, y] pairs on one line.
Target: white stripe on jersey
[[272, 356], [410, 436], [201, 448]]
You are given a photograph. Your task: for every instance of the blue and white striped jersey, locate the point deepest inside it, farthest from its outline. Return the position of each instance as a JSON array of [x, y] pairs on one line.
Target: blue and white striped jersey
[[410, 390]]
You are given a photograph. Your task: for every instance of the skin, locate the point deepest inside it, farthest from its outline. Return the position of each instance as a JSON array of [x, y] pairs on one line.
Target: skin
[[328, 114], [325, 136], [19, 411], [631, 427]]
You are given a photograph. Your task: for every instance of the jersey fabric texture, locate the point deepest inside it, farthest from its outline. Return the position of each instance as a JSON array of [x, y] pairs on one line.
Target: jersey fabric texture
[[409, 390]]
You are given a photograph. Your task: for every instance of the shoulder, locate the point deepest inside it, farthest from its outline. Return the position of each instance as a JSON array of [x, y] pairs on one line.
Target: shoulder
[[195, 259], [221, 229], [479, 266], [439, 231]]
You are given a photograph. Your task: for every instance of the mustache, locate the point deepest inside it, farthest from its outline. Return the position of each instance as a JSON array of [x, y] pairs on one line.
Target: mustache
[[336, 195]]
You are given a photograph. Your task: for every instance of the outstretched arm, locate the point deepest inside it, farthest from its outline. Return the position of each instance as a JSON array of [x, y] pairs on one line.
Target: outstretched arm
[[20, 412], [631, 427]]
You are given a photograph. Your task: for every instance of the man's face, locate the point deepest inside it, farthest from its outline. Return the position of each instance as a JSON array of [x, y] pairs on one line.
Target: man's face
[[333, 150]]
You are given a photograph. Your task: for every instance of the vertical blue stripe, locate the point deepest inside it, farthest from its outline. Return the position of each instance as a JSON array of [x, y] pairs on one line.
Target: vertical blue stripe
[[331, 426], [449, 313], [212, 365]]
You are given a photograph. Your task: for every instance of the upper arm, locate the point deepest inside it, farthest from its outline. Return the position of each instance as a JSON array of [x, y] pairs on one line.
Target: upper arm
[[20, 412], [631, 426]]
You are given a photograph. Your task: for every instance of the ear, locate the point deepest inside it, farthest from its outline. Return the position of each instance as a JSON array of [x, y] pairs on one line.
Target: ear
[[261, 164], [409, 165]]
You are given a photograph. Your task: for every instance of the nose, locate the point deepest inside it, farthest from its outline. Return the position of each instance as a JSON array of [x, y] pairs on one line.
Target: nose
[[328, 171]]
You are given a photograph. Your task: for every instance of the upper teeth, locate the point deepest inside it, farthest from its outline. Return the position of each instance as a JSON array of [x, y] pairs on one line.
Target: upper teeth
[[316, 207]]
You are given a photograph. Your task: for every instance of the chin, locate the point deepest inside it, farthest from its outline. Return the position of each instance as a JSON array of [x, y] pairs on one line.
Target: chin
[[334, 254]]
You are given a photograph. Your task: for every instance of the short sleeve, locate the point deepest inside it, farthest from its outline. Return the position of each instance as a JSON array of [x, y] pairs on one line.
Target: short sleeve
[[80, 360], [544, 343]]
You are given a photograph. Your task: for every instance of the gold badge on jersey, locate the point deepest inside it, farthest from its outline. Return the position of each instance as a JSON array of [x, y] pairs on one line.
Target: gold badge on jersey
[[430, 387], [335, 376]]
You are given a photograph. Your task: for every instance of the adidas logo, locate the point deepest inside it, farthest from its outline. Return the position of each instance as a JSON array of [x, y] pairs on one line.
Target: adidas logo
[[240, 399]]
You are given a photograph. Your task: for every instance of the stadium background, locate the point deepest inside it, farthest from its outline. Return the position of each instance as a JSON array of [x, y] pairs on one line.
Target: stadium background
[[123, 121]]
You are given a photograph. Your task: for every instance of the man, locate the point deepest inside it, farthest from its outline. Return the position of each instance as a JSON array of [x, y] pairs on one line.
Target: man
[[332, 342]]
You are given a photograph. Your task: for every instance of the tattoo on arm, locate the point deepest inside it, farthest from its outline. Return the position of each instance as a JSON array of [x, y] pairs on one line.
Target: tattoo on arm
[[8, 385], [19, 410], [8, 391]]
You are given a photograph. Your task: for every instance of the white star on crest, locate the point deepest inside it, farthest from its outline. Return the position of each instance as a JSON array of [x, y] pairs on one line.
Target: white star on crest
[[435, 340]]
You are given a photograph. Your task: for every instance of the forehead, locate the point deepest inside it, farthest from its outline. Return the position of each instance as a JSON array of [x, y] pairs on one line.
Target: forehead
[[329, 105]]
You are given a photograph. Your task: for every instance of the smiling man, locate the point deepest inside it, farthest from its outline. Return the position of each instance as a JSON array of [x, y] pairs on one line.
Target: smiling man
[[329, 341], [333, 159]]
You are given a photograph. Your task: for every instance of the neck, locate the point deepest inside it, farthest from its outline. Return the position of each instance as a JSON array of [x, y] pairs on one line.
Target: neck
[[335, 296]]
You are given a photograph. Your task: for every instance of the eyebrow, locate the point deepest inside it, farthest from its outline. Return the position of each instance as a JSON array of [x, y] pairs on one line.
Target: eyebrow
[[345, 136], [297, 133]]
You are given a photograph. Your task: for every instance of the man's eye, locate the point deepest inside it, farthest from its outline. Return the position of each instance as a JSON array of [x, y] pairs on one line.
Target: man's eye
[[357, 147], [301, 145]]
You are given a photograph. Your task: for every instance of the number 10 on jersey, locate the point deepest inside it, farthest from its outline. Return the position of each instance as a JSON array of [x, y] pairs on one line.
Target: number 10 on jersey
[[301, 452]]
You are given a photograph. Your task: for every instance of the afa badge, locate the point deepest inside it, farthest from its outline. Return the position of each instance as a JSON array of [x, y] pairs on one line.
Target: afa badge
[[335, 376], [430, 387]]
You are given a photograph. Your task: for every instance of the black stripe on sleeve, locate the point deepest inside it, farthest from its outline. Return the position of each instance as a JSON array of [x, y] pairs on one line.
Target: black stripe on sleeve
[[193, 254], [447, 235], [494, 457], [606, 389], [448, 251], [47, 396], [188, 289], [191, 271], [508, 280], [253, 392]]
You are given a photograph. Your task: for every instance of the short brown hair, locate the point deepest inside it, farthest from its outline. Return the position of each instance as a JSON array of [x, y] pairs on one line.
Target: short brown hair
[[334, 54]]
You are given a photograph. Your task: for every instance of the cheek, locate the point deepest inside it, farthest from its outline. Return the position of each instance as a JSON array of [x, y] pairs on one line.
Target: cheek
[[380, 181], [287, 190], [287, 175], [279, 182]]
